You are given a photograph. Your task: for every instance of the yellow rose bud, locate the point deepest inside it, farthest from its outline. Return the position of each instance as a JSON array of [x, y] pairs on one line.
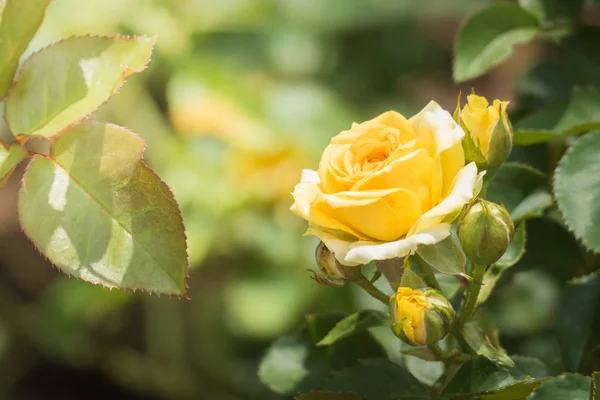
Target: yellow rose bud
[[485, 231], [420, 317], [387, 185], [489, 128]]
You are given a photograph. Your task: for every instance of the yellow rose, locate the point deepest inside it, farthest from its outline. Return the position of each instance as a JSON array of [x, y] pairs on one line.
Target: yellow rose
[[489, 127], [387, 185]]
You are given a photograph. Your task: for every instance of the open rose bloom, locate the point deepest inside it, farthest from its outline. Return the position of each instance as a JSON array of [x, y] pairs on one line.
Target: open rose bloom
[[388, 185]]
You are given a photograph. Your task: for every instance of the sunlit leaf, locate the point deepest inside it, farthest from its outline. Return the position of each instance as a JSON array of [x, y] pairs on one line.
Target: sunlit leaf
[[100, 214], [19, 21], [77, 76], [10, 157], [488, 36]]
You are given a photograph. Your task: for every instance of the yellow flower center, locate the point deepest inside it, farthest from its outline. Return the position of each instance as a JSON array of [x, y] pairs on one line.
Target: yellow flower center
[[410, 309]]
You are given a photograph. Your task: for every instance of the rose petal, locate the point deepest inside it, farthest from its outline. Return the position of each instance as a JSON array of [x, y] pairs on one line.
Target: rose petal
[[467, 185], [362, 252]]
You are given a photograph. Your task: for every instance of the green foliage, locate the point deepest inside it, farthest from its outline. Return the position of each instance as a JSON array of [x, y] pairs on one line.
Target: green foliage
[[90, 205], [578, 321], [354, 324], [564, 387], [10, 157], [522, 189], [446, 256], [572, 114], [91, 70], [295, 364], [488, 36], [99, 213], [19, 21], [577, 190]]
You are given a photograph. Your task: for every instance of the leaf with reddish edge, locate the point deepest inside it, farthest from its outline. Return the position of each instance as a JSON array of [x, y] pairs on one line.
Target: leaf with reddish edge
[[64, 83], [97, 212], [19, 21], [10, 157]]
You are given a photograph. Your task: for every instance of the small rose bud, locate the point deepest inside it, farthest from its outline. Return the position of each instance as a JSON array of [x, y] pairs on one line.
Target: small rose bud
[[335, 274], [420, 317], [501, 138], [489, 128], [485, 231]]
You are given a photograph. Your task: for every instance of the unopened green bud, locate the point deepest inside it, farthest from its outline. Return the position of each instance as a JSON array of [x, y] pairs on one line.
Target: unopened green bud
[[334, 273], [485, 231], [500, 140], [420, 317]]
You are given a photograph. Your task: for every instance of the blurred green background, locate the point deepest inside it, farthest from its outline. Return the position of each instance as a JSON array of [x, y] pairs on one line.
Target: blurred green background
[[240, 96]]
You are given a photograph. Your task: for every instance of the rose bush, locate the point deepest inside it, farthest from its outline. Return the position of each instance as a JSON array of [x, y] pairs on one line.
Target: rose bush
[[387, 185]]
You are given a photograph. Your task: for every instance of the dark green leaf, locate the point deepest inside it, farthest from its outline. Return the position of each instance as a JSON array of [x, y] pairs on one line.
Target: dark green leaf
[[529, 367], [411, 279], [522, 189], [295, 364], [19, 21], [580, 59], [96, 211], [564, 387], [479, 375], [376, 379], [577, 189], [579, 319], [553, 11], [354, 324], [570, 115], [446, 256], [322, 395], [10, 157], [488, 36], [78, 75], [513, 254], [596, 386]]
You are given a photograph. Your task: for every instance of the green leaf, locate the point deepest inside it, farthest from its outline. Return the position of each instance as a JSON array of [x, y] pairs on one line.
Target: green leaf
[[78, 76], [570, 115], [9, 159], [411, 279], [577, 189], [482, 379], [376, 379], [522, 189], [294, 364], [486, 344], [513, 254], [488, 36], [446, 256], [19, 21], [355, 323], [554, 11], [97, 212], [578, 321], [321, 395], [564, 387]]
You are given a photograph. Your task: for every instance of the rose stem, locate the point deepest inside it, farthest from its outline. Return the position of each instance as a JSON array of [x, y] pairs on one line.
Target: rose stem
[[371, 289], [468, 307]]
